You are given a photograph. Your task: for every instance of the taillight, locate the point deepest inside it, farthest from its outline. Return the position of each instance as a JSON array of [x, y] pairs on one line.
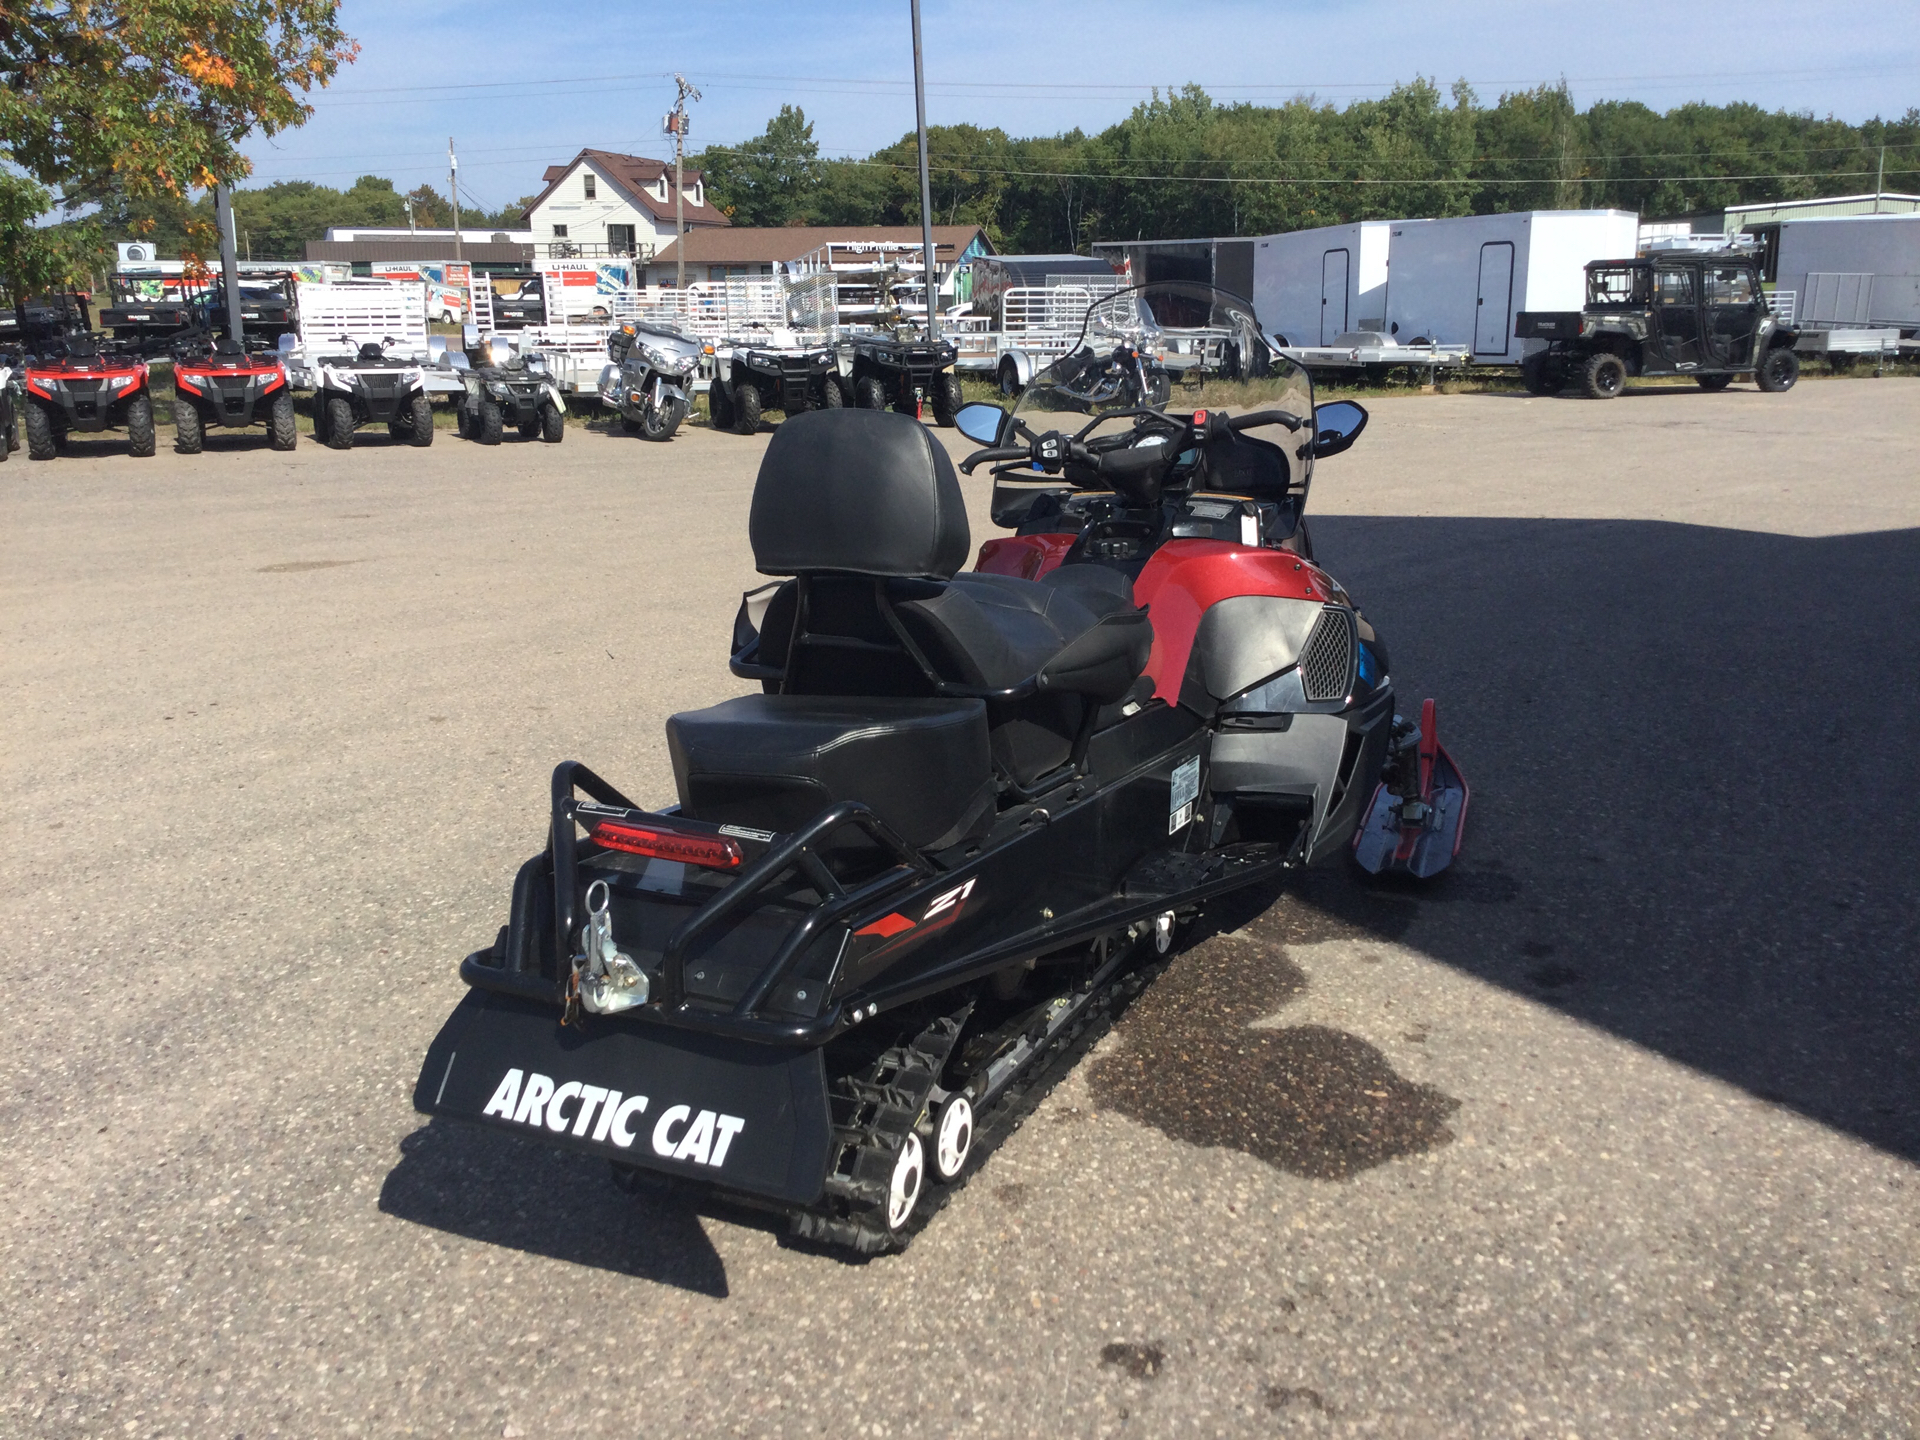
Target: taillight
[[716, 852]]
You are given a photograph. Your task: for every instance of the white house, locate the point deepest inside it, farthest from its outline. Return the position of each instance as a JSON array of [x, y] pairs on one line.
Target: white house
[[601, 204]]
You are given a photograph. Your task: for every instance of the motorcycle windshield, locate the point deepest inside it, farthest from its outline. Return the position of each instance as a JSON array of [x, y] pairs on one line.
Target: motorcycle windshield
[[1177, 346]]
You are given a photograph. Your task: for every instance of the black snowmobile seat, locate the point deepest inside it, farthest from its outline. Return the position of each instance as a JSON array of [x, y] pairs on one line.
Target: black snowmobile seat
[[775, 761], [864, 506]]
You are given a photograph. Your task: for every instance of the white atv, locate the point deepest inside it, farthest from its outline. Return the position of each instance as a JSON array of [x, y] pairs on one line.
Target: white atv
[[369, 386]]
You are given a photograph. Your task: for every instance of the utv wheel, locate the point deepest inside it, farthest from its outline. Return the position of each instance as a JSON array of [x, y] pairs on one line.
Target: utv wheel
[[903, 1192], [320, 417], [947, 398], [339, 423], [832, 397], [1537, 377], [188, 432], [553, 424], [870, 394], [1713, 384], [1009, 378], [489, 424], [746, 410], [283, 433], [953, 1137], [719, 406], [1604, 376], [1778, 371], [422, 416], [40, 441], [140, 437]]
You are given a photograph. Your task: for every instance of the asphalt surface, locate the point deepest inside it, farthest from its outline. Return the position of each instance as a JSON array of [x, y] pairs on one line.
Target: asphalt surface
[[1613, 1131]]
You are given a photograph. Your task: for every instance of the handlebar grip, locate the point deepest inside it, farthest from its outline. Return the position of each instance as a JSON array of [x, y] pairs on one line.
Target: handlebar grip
[[1000, 452], [1265, 417]]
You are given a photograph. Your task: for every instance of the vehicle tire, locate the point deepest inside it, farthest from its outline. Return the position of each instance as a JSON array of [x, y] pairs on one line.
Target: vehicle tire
[[907, 405], [319, 417], [40, 441], [283, 430], [746, 410], [947, 398], [869, 393], [420, 431], [832, 397], [953, 1137], [1009, 378], [339, 423], [489, 424], [553, 424], [1778, 371], [1537, 376], [1713, 384], [1603, 376], [1159, 391], [188, 432], [659, 423], [719, 406], [140, 437]]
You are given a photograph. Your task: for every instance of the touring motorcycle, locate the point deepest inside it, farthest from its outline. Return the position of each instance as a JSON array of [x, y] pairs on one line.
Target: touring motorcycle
[[967, 812], [649, 373]]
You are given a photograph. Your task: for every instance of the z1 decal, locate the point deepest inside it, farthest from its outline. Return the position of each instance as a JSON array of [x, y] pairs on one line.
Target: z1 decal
[[679, 1134]]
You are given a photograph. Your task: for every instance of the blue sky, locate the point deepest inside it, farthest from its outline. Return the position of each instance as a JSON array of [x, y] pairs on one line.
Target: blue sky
[[522, 86]]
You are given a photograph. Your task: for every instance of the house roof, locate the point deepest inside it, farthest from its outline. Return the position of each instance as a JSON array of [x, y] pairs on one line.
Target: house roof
[[633, 174], [750, 245]]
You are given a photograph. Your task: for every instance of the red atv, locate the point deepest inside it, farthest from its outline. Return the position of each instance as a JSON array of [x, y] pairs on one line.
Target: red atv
[[86, 389], [225, 385]]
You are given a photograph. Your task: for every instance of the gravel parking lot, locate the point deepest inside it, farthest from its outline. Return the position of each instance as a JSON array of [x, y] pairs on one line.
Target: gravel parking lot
[[1612, 1132]]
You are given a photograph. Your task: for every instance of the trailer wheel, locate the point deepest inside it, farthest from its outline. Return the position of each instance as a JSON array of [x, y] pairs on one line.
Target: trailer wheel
[[746, 410], [1009, 378], [140, 438], [339, 423], [283, 433], [869, 393], [832, 397], [553, 424], [1778, 371], [719, 405], [188, 432], [40, 441], [489, 423], [1603, 376], [422, 417], [1713, 384], [947, 398], [903, 1192]]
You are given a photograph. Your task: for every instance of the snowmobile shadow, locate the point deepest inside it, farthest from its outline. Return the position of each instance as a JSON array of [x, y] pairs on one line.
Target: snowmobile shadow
[[1311, 1100], [471, 1182], [1693, 782]]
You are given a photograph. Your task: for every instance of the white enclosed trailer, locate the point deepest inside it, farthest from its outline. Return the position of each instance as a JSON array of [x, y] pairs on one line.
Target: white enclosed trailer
[[1312, 286], [1851, 271], [1462, 280]]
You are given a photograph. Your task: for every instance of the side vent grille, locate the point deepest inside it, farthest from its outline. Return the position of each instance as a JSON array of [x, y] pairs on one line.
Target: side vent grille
[[1327, 661]]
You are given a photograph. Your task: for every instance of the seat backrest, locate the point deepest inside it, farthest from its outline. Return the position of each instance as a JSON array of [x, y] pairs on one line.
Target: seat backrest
[[858, 492]]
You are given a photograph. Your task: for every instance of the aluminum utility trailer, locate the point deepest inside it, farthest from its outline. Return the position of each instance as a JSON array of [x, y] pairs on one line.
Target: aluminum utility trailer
[[1851, 272], [1036, 325], [333, 319], [1363, 349]]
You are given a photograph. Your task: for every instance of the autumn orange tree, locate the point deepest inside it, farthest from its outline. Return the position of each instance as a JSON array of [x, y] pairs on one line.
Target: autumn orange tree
[[149, 97]]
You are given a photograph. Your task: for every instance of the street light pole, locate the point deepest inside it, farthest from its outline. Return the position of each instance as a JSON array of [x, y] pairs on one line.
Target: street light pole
[[926, 189], [453, 194]]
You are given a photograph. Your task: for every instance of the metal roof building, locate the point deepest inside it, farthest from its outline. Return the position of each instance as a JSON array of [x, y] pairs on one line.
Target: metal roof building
[[1772, 212]]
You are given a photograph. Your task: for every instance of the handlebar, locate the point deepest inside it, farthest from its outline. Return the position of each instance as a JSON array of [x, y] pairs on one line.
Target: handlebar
[[999, 452]]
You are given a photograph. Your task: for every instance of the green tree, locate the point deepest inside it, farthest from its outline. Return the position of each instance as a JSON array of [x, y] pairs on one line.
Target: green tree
[[40, 258], [773, 178]]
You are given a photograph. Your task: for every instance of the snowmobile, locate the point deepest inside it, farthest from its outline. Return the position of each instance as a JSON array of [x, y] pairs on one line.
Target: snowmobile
[[649, 372], [222, 382], [85, 386], [369, 387], [967, 812], [514, 388], [12, 400], [775, 369]]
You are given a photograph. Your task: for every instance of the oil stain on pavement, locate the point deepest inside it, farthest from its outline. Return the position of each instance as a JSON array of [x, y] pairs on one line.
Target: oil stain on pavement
[[1311, 1100]]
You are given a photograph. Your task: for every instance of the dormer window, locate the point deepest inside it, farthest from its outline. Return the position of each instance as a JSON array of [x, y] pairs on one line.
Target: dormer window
[[699, 192], [588, 182], [660, 188]]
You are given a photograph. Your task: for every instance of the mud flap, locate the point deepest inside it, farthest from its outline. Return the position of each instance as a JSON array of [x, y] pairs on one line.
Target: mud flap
[[1421, 835], [728, 1113]]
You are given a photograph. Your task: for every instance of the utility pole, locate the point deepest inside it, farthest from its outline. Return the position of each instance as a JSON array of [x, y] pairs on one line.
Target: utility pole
[[926, 189], [407, 200], [453, 193], [676, 126], [229, 262]]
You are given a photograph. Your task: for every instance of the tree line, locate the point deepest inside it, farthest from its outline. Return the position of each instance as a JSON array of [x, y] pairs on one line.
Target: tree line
[[1183, 164]]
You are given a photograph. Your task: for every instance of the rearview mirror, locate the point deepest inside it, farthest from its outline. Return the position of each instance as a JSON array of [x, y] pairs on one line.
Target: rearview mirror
[[1336, 425], [980, 423]]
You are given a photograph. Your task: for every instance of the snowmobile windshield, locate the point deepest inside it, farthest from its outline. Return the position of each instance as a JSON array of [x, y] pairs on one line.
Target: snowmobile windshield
[[1178, 348]]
